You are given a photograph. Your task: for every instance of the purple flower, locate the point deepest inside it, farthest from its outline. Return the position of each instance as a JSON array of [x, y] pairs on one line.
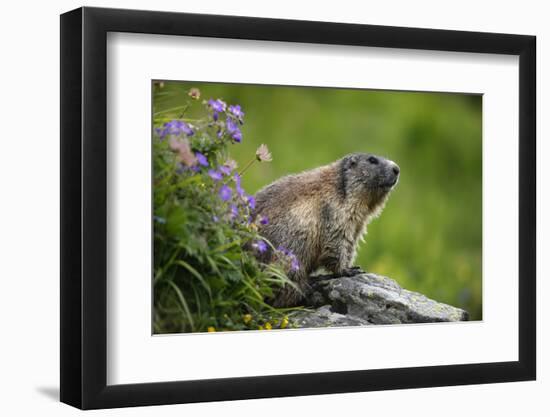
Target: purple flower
[[215, 175], [187, 129], [231, 126], [233, 130], [217, 105], [284, 250], [290, 256], [264, 220], [225, 192], [175, 128], [171, 128], [233, 211], [237, 112], [182, 168], [294, 264], [216, 219], [201, 159], [238, 187], [225, 170], [251, 202], [237, 136], [260, 245]]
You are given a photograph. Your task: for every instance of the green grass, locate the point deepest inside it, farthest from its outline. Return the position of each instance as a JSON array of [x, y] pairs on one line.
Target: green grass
[[429, 236]]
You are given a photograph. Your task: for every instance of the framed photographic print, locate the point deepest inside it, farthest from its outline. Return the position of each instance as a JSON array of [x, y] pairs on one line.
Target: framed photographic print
[[219, 175]]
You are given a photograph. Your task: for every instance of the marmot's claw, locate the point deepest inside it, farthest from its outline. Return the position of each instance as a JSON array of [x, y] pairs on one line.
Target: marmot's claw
[[323, 277], [347, 272], [351, 272]]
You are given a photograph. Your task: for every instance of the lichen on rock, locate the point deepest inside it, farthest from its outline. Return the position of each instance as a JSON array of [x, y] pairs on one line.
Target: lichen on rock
[[367, 299]]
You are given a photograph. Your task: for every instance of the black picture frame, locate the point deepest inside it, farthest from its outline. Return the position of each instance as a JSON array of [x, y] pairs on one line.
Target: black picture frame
[[84, 207]]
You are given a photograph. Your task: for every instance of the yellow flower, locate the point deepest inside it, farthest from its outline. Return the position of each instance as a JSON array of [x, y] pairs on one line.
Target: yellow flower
[[268, 326], [284, 322], [247, 318], [211, 329], [260, 327]]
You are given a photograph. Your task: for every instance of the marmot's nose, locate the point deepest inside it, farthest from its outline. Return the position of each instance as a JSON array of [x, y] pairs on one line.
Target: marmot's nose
[[395, 169]]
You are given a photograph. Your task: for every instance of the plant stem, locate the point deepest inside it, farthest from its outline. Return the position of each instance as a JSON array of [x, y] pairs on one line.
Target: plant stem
[[184, 110], [171, 109], [247, 166]]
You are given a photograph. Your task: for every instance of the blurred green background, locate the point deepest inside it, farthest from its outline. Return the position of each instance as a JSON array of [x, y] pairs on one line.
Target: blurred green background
[[429, 236]]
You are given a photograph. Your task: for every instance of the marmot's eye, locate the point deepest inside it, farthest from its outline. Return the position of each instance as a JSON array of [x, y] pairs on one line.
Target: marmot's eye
[[373, 160]]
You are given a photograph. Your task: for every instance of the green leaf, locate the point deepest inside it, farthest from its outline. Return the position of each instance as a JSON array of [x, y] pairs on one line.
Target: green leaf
[[183, 303], [195, 273]]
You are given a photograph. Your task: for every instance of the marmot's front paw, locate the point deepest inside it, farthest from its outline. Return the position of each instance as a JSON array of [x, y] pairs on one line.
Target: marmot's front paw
[[351, 272]]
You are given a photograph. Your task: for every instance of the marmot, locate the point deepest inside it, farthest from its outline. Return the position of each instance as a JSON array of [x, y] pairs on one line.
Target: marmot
[[320, 215]]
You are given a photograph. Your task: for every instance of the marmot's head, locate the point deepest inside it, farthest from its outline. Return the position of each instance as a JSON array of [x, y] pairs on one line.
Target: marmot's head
[[367, 177]]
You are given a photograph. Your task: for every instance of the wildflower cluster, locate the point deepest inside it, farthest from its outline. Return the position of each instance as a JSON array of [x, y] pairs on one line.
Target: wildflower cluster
[[204, 278], [227, 119], [288, 258]]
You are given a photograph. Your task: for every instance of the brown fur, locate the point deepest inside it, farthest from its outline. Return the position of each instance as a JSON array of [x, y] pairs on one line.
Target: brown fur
[[320, 215]]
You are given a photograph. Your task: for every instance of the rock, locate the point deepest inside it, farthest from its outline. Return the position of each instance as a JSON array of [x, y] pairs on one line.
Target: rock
[[370, 299], [325, 317]]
